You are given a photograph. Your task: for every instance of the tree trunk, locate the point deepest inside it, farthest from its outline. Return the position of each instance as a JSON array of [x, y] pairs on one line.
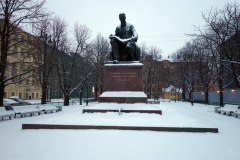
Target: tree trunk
[[220, 93], [95, 92], [190, 95], [1, 94], [44, 95], [80, 100], [221, 98], [206, 98], [66, 101], [183, 92]]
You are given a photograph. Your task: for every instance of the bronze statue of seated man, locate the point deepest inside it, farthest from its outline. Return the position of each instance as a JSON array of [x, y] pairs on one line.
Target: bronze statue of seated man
[[123, 43]]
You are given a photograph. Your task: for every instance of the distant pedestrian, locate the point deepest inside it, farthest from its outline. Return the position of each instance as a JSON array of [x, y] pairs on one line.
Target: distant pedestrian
[[191, 100]]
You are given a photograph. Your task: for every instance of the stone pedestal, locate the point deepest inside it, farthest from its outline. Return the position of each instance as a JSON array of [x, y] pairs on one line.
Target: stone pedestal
[[123, 83]]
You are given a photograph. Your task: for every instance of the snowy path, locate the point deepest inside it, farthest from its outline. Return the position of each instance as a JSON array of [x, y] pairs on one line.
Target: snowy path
[[118, 145]]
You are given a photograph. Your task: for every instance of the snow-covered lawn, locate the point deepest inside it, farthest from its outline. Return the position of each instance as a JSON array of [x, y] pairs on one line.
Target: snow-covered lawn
[[18, 144]]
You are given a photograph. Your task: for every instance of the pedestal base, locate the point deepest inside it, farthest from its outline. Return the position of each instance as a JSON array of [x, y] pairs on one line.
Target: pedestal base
[[123, 97], [123, 83]]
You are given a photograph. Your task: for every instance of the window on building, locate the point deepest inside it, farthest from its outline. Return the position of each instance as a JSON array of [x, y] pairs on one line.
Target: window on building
[[12, 93], [27, 82], [22, 37], [15, 49], [13, 67], [32, 95], [15, 35], [22, 52], [5, 95], [37, 95], [26, 95], [21, 67], [28, 55], [20, 95]]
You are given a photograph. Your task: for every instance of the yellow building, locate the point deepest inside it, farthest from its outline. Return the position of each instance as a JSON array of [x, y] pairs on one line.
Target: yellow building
[[171, 93], [21, 58]]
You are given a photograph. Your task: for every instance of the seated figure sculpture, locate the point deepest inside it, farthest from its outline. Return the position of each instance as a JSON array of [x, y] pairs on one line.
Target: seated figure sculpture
[[123, 43]]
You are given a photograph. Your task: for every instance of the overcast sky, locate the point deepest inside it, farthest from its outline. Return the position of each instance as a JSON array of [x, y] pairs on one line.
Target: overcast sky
[[161, 23]]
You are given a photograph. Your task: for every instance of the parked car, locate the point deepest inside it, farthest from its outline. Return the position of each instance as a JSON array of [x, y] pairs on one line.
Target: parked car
[[8, 103], [19, 100]]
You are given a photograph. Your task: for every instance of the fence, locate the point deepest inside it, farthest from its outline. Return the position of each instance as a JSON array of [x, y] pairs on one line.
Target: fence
[[229, 96]]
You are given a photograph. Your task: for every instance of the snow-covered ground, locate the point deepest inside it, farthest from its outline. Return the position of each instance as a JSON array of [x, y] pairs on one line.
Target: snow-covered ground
[[18, 144]]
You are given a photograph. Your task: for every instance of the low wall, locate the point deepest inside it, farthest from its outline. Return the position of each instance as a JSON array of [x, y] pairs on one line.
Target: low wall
[[213, 96]]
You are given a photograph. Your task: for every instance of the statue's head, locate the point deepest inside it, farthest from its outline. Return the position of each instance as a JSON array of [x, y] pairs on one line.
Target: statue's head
[[122, 17]]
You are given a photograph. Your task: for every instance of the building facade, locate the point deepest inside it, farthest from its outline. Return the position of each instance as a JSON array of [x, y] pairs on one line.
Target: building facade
[[21, 59], [160, 75]]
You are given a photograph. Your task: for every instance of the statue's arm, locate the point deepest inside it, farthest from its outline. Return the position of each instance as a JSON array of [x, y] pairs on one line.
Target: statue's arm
[[134, 33], [116, 32]]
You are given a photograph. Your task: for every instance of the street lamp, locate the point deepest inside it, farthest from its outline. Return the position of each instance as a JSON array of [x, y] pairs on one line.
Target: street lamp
[[44, 38], [87, 92], [48, 93]]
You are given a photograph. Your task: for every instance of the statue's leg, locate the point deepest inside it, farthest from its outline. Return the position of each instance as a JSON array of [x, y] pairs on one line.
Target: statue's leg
[[138, 52], [131, 51], [115, 50]]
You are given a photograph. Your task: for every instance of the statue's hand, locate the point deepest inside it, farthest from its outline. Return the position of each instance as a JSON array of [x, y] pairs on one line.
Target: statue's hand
[[110, 36], [132, 39]]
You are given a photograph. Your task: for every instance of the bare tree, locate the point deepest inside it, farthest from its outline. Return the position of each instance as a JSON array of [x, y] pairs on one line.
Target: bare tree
[[151, 69], [74, 67], [205, 65], [231, 60], [221, 30], [144, 52], [186, 72], [15, 17], [99, 51], [155, 52]]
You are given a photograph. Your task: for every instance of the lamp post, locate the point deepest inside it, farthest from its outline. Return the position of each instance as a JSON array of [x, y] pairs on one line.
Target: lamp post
[[44, 38], [87, 92], [48, 94]]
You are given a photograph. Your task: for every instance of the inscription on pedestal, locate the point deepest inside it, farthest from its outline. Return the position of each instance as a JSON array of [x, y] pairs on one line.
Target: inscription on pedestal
[[123, 78]]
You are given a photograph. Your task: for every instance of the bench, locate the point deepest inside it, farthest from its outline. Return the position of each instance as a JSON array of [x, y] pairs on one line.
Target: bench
[[153, 101], [237, 113], [228, 109], [165, 100], [48, 108], [4, 113], [25, 110]]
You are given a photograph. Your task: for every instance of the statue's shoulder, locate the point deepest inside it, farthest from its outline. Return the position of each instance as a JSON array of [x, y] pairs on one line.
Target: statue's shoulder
[[118, 28], [129, 25]]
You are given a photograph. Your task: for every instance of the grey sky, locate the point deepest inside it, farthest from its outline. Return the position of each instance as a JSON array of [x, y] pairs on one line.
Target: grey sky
[[162, 23]]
